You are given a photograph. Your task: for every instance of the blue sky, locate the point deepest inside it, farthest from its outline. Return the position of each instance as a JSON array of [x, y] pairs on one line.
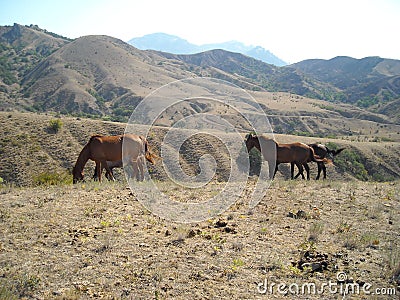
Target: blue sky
[[293, 30]]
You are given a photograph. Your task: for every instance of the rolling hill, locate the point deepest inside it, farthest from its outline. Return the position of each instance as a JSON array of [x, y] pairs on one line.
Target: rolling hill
[[364, 82], [106, 77]]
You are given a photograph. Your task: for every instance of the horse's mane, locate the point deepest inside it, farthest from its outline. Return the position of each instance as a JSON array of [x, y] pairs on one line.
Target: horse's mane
[[95, 136]]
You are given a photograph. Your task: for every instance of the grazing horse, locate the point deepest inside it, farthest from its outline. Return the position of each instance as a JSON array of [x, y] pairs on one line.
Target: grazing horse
[[297, 153], [137, 169], [322, 151], [101, 149]]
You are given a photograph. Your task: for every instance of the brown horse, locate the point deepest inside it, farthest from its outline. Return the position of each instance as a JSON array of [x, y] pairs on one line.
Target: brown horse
[[322, 152], [276, 153], [109, 148], [135, 171], [111, 165]]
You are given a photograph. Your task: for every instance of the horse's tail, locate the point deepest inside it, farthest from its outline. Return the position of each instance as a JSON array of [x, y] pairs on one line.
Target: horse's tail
[[317, 159], [336, 152], [151, 157]]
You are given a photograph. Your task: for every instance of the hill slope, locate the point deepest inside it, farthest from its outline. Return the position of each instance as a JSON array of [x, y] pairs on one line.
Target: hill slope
[[103, 76], [97, 75], [365, 82], [31, 152], [21, 49]]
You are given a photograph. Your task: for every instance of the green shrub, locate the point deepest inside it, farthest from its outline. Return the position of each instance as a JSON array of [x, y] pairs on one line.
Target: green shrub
[[55, 125], [7, 293], [52, 178], [353, 162]]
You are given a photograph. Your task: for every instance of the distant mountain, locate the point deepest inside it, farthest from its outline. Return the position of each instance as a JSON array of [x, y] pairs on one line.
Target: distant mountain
[[176, 45], [164, 42]]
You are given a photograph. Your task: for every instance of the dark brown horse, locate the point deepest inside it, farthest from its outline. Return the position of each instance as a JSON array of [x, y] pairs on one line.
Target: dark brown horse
[[111, 165], [276, 153], [322, 151], [109, 148], [136, 171]]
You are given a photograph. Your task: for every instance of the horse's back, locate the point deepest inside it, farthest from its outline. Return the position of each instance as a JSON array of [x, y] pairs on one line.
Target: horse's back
[[133, 145], [106, 147], [133, 137], [293, 152]]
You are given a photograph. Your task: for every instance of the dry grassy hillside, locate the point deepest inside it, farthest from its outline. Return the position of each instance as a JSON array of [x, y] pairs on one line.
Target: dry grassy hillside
[[29, 148], [31, 152], [92, 74]]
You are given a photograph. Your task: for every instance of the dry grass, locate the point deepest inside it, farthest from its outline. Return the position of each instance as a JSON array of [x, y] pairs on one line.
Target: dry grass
[[96, 240]]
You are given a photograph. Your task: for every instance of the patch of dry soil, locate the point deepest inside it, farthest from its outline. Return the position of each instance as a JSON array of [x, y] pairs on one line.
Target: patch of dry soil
[[97, 241]]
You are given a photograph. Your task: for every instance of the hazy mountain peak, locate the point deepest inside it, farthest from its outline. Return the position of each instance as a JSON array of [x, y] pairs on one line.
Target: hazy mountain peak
[[176, 45]]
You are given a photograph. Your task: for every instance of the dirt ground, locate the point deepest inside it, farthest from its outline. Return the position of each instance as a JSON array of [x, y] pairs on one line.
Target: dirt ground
[[96, 240]]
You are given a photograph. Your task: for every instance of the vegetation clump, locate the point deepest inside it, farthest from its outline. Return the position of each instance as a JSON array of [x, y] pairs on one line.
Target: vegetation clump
[[55, 125], [51, 178]]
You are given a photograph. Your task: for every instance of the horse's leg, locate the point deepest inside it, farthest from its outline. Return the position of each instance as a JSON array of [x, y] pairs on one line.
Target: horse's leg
[[134, 165], [139, 173], [292, 170], [140, 166], [276, 170], [110, 174], [301, 171], [95, 174], [324, 170], [98, 170], [307, 170], [108, 170], [129, 171], [136, 170], [126, 162], [271, 170], [319, 171]]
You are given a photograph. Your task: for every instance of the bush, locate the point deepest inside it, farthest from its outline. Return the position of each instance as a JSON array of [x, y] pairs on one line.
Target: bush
[[55, 125], [352, 161], [52, 178]]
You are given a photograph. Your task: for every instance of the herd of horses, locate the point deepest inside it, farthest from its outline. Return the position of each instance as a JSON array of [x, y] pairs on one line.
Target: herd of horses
[[298, 154], [107, 152]]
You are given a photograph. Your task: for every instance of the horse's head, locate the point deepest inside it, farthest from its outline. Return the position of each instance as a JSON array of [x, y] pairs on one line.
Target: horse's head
[[252, 141], [77, 176]]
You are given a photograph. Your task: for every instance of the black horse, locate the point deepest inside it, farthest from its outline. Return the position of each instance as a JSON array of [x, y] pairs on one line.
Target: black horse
[[321, 151]]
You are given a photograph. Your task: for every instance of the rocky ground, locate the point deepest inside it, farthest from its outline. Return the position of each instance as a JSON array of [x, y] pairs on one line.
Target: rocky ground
[[96, 240]]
